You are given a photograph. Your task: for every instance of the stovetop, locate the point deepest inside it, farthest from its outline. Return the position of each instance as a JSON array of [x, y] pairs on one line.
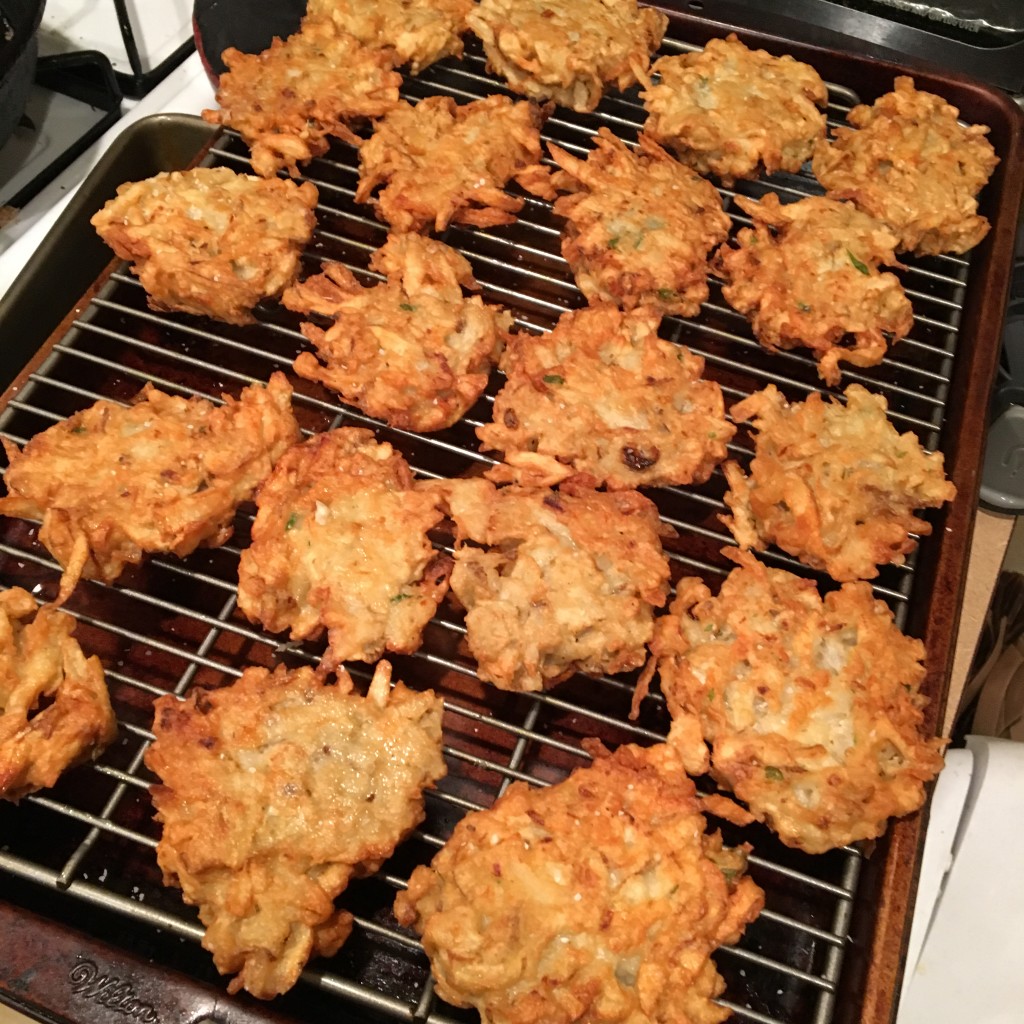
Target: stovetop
[[97, 59], [158, 29]]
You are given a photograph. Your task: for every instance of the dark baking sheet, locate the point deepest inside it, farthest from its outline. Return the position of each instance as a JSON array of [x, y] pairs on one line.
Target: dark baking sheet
[[829, 945]]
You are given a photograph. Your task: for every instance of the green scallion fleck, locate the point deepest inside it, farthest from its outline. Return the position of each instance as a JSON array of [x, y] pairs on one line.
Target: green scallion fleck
[[553, 378], [773, 773], [858, 265], [293, 521], [407, 306], [400, 597], [666, 294], [79, 430], [803, 307]]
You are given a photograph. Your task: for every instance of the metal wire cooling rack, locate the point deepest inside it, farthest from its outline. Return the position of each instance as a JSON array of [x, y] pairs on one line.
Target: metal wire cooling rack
[[170, 624]]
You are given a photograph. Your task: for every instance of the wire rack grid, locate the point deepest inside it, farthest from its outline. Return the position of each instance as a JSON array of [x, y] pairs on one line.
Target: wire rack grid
[[168, 624]]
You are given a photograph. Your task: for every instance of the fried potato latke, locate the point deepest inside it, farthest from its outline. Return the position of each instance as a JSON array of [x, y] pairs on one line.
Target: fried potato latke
[[288, 100], [440, 163], [599, 899], [340, 542], [554, 581], [568, 50], [54, 706], [166, 474], [413, 351], [640, 225], [274, 792], [806, 275], [210, 241], [419, 33], [833, 485], [811, 706], [910, 163], [732, 112], [603, 398]]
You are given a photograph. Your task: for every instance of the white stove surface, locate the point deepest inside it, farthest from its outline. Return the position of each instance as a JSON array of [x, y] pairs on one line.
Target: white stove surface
[[51, 121], [160, 27]]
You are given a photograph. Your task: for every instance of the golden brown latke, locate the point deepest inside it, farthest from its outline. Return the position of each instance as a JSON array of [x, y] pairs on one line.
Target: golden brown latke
[[274, 792], [806, 275], [603, 398], [419, 32], [568, 50], [731, 111], [913, 166], [554, 581], [440, 163], [599, 899], [413, 350], [811, 707], [209, 241], [340, 542], [833, 485], [166, 474], [286, 101], [54, 706], [640, 225]]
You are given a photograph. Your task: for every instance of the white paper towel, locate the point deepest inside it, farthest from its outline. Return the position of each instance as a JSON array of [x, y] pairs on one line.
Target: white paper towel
[[971, 962]]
